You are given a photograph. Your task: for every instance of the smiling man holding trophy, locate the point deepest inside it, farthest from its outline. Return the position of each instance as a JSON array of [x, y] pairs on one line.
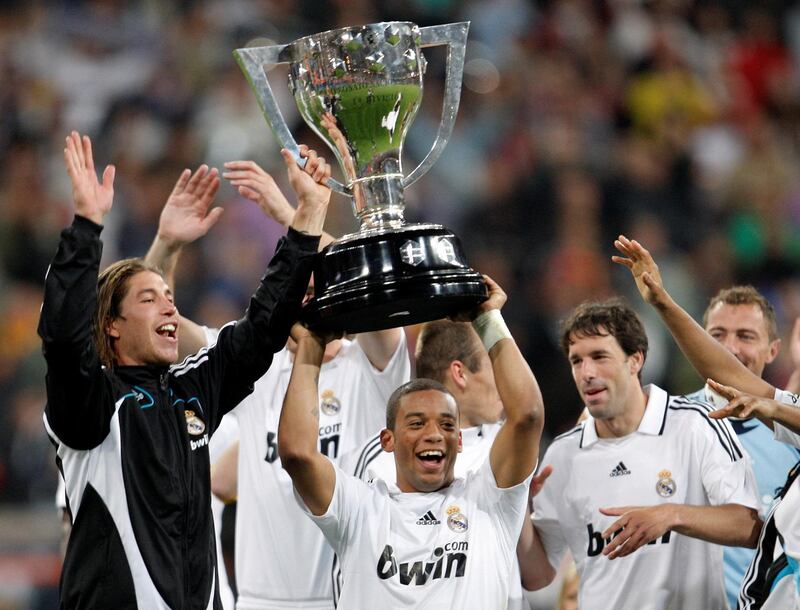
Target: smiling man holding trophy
[[359, 89]]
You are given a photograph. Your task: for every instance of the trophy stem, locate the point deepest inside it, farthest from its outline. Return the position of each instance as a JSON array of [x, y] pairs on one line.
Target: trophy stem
[[378, 201]]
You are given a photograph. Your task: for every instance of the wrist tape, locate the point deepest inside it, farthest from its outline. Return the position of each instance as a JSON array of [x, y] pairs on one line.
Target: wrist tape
[[491, 328]]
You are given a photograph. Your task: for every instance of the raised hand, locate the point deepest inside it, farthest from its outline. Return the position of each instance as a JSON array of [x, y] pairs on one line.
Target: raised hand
[[310, 185], [257, 185], [93, 199], [186, 215], [742, 405], [643, 269], [497, 298], [300, 331], [310, 182]]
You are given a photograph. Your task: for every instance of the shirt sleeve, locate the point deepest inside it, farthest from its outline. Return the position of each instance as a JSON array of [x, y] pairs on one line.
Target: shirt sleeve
[[79, 404], [726, 468], [341, 521], [781, 432], [507, 503]]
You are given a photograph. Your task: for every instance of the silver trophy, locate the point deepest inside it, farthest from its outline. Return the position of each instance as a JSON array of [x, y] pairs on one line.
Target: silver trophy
[[359, 89]]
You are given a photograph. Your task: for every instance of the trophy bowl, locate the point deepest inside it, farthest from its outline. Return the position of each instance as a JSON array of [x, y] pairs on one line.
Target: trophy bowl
[[359, 89]]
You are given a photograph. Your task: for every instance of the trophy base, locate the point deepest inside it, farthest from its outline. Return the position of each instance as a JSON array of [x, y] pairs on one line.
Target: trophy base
[[385, 279]]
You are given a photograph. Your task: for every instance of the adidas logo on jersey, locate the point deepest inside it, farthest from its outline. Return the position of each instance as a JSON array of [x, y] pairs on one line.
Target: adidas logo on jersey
[[619, 470], [428, 519]]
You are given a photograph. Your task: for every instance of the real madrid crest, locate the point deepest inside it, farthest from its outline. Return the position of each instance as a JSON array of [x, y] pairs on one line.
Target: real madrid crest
[[194, 425], [666, 484], [456, 520], [328, 402]]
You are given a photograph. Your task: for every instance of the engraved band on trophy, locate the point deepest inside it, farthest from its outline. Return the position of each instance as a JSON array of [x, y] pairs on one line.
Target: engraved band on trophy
[[359, 89]]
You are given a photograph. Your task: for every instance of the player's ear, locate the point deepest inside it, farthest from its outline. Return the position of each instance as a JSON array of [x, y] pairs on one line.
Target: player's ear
[[387, 440], [112, 330], [457, 372], [774, 348], [636, 362], [460, 442]]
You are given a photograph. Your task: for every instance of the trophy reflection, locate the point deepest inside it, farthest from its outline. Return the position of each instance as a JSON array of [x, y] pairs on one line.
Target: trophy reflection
[[359, 89]]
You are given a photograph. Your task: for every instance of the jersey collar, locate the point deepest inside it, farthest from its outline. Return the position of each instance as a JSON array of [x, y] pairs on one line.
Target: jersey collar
[[652, 423]]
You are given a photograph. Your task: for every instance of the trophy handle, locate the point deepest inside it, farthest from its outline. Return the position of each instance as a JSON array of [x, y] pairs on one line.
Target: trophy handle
[[454, 35], [252, 61]]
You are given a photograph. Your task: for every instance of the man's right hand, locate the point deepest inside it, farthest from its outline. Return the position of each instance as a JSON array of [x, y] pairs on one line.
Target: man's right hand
[[497, 298], [538, 480], [310, 185], [93, 199], [186, 216], [257, 185], [301, 332], [643, 269]]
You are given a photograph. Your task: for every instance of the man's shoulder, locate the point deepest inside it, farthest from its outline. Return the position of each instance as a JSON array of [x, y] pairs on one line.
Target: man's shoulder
[[689, 407], [690, 418], [567, 442]]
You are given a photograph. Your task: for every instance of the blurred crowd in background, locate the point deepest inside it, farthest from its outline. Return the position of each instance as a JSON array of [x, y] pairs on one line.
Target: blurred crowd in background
[[674, 122]]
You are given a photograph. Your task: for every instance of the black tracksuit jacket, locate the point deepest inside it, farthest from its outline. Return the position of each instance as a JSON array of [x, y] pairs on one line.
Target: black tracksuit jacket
[[132, 442]]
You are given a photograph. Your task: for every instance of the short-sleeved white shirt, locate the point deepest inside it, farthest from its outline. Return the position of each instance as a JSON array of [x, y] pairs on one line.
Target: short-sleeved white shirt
[[678, 455], [371, 462], [454, 548], [282, 559], [782, 433], [224, 436]]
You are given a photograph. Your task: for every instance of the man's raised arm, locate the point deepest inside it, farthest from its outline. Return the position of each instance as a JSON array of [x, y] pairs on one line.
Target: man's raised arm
[[185, 218], [253, 183], [516, 448], [312, 474], [188, 215], [259, 186], [708, 357]]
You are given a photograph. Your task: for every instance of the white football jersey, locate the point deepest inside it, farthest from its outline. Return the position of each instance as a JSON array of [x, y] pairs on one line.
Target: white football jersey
[[282, 559], [453, 548], [224, 436], [678, 455], [371, 462], [782, 433]]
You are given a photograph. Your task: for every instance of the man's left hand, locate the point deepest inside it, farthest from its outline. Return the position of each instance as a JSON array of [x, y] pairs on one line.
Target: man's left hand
[[636, 526]]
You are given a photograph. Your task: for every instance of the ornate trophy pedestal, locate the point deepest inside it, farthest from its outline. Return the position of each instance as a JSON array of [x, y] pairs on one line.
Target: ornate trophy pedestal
[[383, 279]]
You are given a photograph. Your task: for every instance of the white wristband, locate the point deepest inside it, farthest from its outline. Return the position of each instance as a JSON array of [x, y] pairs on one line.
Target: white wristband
[[491, 328], [787, 398]]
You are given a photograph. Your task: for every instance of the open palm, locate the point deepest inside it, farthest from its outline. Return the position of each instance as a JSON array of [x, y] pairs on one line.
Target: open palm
[[642, 267], [93, 198], [186, 215]]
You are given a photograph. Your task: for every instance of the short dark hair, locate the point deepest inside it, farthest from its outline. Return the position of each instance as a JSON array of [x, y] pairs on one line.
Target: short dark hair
[[442, 341], [415, 385], [599, 319], [745, 295], [112, 286]]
